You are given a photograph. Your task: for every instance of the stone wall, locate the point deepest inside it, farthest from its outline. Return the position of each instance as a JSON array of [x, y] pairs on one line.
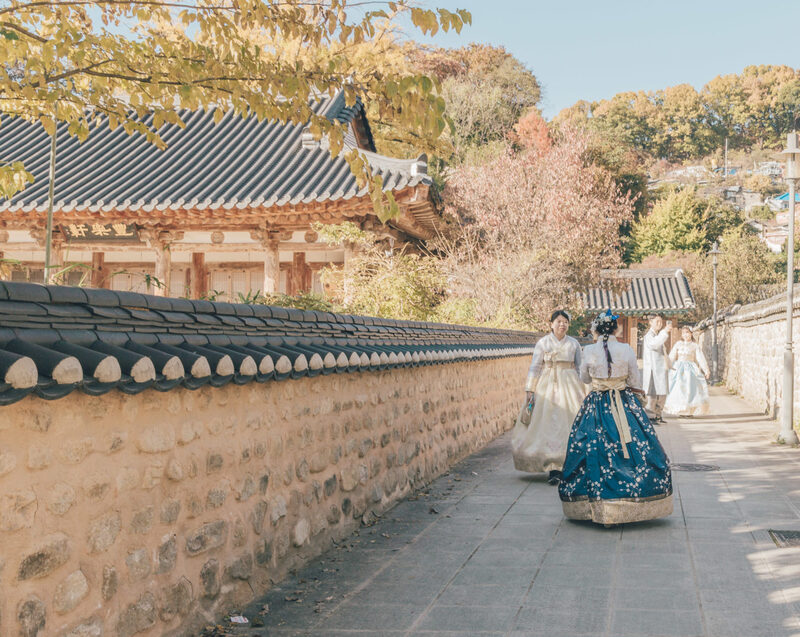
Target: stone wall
[[154, 513], [751, 342]]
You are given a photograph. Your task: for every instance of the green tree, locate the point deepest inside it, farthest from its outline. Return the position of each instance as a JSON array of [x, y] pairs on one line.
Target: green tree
[[682, 221]]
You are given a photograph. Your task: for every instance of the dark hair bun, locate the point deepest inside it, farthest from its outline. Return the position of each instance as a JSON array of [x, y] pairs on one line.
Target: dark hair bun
[[607, 328], [558, 313]]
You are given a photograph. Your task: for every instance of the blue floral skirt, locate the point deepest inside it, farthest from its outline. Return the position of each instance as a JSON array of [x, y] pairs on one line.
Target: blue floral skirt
[[598, 482]]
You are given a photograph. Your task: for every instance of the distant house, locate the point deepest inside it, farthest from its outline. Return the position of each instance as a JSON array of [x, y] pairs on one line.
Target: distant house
[[782, 201], [769, 168], [636, 294]]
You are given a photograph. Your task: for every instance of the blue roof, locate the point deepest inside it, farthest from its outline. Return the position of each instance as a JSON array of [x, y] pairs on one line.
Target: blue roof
[[785, 197]]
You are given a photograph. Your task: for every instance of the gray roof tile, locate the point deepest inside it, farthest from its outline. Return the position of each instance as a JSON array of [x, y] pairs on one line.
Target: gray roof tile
[[265, 164], [663, 290], [71, 321]]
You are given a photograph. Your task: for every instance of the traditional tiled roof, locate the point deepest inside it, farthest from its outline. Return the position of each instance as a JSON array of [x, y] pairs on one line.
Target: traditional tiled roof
[[56, 339], [238, 163], [662, 290]]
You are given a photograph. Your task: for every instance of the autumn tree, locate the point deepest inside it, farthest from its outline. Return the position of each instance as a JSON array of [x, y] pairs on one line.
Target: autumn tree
[[753, 109], [682, 221], [133, 62], [529, 228], [486, 90], [746, 271]]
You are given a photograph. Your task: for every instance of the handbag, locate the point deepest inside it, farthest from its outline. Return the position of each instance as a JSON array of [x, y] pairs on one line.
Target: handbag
[[524, 416]]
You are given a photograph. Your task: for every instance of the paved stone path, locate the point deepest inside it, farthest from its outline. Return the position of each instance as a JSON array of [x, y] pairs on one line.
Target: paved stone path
[[500, 559]]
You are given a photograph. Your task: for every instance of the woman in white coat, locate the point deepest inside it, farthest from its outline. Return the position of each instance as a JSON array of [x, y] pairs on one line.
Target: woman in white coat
[[655, 367], [554, 394]]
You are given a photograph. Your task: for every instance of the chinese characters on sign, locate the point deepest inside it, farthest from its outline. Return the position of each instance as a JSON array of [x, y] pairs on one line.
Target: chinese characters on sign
[[100, 232]]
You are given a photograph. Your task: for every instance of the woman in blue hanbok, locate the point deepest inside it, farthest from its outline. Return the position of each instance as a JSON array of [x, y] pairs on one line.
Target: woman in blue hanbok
[[615, 470], [688, 390]]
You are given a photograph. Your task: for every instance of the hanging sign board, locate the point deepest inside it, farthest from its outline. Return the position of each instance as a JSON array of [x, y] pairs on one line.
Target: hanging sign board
[[92, 232]]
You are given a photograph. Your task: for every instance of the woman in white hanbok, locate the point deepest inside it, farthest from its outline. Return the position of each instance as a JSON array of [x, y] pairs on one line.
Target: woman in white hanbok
[[688, 390], [554, 394]]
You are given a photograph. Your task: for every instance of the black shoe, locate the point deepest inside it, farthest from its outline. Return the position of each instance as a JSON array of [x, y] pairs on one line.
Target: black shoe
[[555, 478]]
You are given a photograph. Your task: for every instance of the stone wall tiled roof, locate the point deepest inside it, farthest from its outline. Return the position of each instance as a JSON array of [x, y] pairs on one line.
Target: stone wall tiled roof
[[663, 290], [56, 339], [237, 163]]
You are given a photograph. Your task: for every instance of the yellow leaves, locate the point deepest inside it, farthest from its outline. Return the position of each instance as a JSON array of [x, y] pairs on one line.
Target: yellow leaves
[[48, 124], [13, 178]]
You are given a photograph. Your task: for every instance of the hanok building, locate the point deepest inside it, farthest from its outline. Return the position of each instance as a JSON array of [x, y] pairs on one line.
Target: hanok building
[[637, 294], [226, 208]]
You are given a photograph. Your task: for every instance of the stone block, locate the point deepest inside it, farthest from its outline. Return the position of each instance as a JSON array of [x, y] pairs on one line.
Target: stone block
[[142, 521], [319, 461], [137, 617], [247, 490], [110, 582], [37, 421], [8, 461], [39, 457], [127, 478], [152, 475], [75, 451], [214, 462], [139, 564], [257, 517], [278, 509], [103, 532], [52, 553], [264, 553], [17, 510], [170, 510], [60, 499], [207, 537], [117, 441], [216, 497], [302, 532], [167, 554], [96, 486], [241, 568], [334, 514], [92, 627], [176, 600], [329, 487], [239, 534], [156, 439], [210, 580], [194, 505], [70, 592], [302, 470], [175, 471], [32, 617]]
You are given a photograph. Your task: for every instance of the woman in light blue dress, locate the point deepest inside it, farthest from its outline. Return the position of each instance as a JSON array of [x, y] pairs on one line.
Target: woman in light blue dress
[[688, 389], [615, 470]]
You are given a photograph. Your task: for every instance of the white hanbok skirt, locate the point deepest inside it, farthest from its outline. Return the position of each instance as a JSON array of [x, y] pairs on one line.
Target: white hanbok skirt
[[542, 445], [688, 390]]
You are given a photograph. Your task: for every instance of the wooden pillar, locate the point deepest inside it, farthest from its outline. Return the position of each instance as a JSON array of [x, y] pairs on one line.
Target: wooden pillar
[[633, 333], [298, 273], [99, 278], [163, 269], [272, 267], [198, 277]]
